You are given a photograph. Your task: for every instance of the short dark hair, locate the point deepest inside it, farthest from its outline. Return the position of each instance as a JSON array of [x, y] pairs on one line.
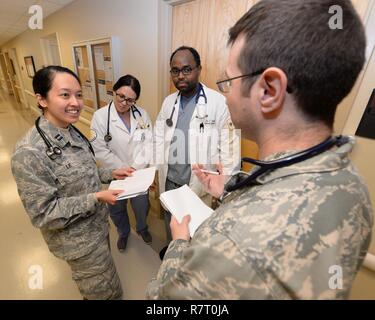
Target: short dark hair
[[321, 64], [194, 52], [128, 81], [43, 79]]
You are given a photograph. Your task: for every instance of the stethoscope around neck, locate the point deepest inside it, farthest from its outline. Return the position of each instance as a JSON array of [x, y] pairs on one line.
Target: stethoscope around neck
[[134, 110], [241, 180], [201, 94], [54, 151]]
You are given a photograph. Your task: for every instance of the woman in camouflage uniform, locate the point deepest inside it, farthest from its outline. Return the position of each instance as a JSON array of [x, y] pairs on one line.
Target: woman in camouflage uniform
[[60, 185]]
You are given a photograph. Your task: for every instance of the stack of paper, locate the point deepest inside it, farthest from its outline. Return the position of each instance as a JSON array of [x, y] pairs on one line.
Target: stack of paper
[[135, 185], [183, 201]]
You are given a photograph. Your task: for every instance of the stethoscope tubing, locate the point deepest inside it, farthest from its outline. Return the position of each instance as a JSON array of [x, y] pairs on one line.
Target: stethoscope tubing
[[201, 93], [265, 166], [53, 151], [134, 110]]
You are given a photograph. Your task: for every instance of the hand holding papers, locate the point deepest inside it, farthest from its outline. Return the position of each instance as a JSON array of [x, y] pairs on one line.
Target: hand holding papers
[[183, 201], [135, 185]]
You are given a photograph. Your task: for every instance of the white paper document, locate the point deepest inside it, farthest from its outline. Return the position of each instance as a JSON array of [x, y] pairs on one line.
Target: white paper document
[[183, 201], [102, 92], [135, 185], [99, 58], [108, 70]]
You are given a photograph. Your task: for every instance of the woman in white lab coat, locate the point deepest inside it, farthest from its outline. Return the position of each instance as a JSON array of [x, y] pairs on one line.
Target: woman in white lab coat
[[122, 137]]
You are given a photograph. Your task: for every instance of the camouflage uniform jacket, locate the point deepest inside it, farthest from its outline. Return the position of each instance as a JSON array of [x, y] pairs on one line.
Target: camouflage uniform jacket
[[277, 239], [58, 195]]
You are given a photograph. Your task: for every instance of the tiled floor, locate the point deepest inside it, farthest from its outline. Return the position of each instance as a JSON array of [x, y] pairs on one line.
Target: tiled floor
[[23, 250]]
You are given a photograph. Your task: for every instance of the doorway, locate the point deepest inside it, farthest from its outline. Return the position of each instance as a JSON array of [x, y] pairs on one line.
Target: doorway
[[4, 68], [51, 50], [17, 77], [9, 62]]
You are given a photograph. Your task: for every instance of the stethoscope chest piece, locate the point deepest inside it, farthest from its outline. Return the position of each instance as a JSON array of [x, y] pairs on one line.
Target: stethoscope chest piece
[[53, 152], [169, 122], [107, 137]]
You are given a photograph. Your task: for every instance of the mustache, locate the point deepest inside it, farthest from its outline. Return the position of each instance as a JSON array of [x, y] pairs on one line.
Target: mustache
[[182, 83]]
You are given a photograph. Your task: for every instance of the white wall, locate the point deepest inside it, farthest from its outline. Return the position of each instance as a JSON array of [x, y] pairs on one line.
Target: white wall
[[134, 22]]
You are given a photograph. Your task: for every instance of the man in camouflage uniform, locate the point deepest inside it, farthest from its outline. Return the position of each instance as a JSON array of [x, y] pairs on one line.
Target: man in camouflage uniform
[[294, 232], [59, 197]]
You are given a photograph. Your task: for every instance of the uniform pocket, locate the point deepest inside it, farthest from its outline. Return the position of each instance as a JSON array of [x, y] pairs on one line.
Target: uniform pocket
[[72, 177]]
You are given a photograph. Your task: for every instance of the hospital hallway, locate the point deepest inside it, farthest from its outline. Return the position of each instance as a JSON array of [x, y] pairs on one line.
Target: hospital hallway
[[22, 248]]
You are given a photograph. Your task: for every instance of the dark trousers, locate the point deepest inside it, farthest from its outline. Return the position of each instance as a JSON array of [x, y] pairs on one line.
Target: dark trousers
[[120, 218]]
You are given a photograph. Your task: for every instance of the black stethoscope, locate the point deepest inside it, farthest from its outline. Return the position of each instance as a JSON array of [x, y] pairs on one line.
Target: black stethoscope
[[242, 179], [54, 151], [134, 110], [201, 93]]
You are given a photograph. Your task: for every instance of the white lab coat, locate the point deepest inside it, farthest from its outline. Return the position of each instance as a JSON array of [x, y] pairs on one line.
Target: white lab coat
[[225, 141], [125, 149]]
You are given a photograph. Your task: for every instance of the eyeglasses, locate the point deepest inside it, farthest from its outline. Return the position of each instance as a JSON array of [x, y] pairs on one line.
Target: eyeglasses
[[122, 98], [224, 85], [175, 72]]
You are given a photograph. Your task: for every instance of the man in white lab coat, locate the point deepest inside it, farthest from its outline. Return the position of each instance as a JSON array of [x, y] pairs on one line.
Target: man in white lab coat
[[193, 126], [123, 138]]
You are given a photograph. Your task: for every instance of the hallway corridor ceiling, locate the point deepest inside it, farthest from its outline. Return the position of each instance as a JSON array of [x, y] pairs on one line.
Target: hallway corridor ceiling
[[14, 15]]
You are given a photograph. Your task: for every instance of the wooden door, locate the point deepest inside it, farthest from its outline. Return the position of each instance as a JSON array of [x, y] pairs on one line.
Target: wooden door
[[204, 25]]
